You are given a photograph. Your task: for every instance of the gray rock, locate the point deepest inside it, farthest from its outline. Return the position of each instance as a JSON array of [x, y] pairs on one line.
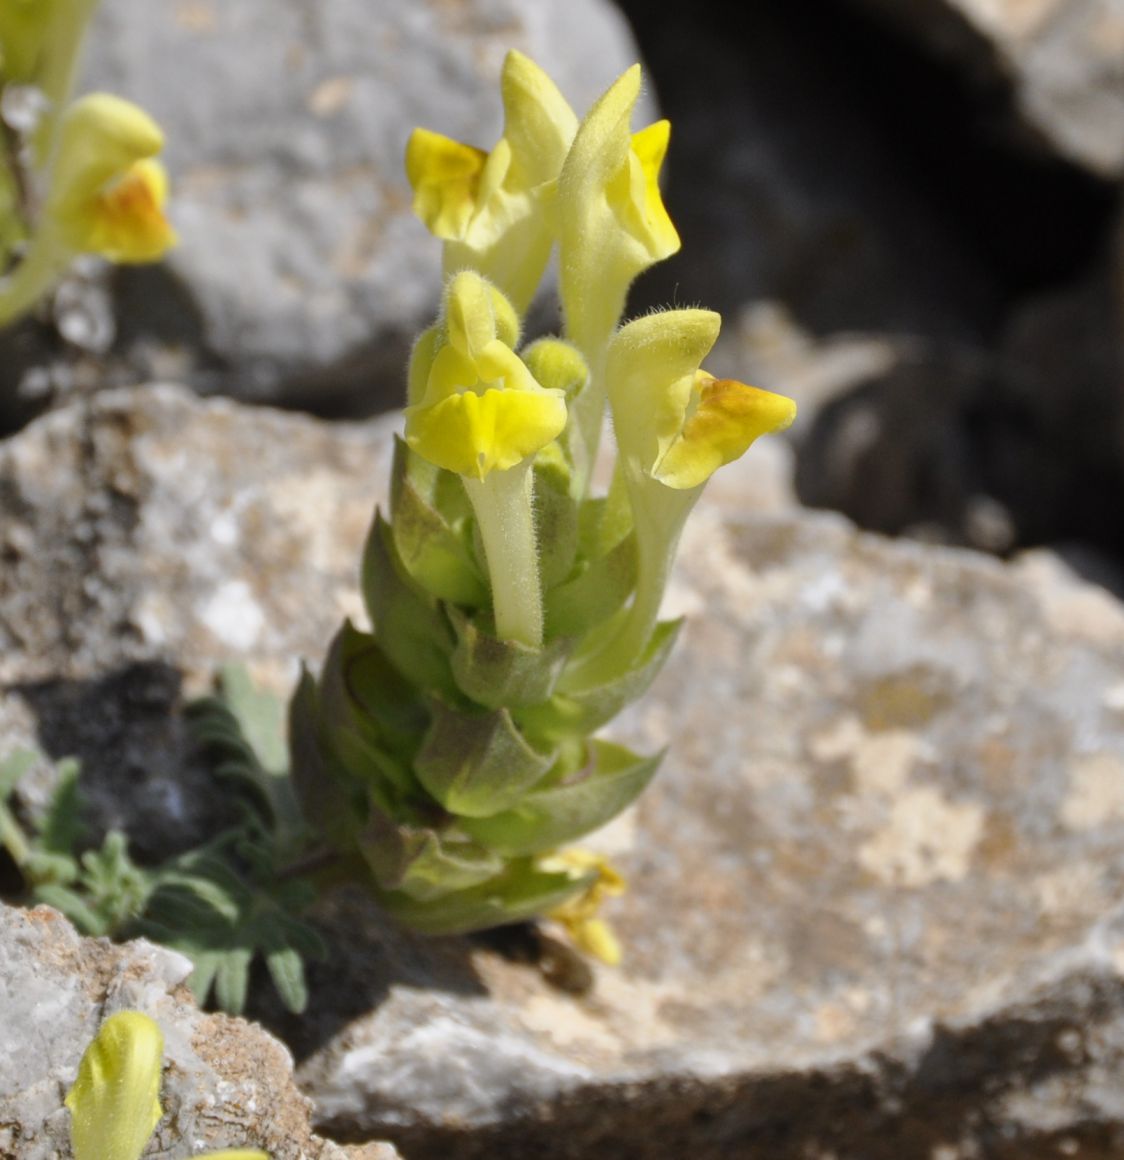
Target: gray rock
[[874, 906], [1061, 59], [226, 1083], [302, 275]]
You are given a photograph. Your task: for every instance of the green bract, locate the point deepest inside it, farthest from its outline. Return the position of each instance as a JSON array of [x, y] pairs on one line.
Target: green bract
[[448, 753]]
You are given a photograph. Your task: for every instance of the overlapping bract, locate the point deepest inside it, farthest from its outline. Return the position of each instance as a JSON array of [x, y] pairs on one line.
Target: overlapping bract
[[450, 750]]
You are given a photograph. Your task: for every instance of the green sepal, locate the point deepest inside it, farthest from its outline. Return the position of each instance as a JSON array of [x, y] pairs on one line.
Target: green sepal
[[612, 779], [520, 893], [420, 863], [503, 673], [411, 626], [579, 711], [599, 588], [432, 529], [479, 764], [556, 517]]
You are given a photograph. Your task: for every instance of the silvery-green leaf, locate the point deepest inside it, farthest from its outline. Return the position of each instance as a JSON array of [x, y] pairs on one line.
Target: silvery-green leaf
[[519, 893], [503, 673], [432, 530], [477, 764], [569, 714], [411, 626], [547, 818]]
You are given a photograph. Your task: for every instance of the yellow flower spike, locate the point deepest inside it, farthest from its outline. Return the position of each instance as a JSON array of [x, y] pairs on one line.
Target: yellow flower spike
[[612, 221], [107, 191], [115, 1101], [580, 916], [492, 209]]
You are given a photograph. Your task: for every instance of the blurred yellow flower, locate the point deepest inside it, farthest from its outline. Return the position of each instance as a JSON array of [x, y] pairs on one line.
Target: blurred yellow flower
[[107, 190], [115, 1101], [580, 916]]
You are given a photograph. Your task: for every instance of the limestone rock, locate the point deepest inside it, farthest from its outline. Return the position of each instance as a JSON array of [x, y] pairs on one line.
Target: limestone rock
[[226, 1082], [875, 906], [1061, 59], [875, 888], [302, 274]]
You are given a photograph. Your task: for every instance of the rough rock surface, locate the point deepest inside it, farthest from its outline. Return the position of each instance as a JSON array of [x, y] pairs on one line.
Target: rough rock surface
[[1061, 59], [226, 1082], [875, 906], [302, 274], [875, 888]]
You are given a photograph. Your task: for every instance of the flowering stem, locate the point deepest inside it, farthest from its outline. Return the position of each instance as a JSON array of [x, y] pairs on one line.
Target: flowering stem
[[68, 32], [37, 272], [503, 504]]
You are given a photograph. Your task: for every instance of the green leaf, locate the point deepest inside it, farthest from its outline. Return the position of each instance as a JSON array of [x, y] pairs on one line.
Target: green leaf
[[286, 969], [547, 818], [432, 529], [478, 764], [504, 673], [13, 768], [422, 864], [260, 716], [411, 626], [519, 893], [599, 588], [202, 906], [62, 828], [569, 715]]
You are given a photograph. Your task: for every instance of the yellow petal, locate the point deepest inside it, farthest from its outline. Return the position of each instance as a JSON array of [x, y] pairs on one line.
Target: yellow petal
[[474, 434], [445, 177], [124, 222], [650, 371], [538, 123], [115, 1101], [649, 147], [611, 220], [728, 417]]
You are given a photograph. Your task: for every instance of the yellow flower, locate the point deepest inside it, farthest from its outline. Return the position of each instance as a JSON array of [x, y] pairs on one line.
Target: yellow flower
[[115, 1101], [481, 408], [612, 220], [107, 190], [580, 916], [676, 423], [492, 209]]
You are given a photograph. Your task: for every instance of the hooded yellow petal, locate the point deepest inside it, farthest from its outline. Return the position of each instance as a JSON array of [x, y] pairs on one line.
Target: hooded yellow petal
[[474, 434], [115, 1101], [445, 177], [539, 125], [727, 418]]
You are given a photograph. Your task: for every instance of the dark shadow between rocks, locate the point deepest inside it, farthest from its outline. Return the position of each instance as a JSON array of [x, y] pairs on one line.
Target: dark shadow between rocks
[[138, 774], [367, 955]]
